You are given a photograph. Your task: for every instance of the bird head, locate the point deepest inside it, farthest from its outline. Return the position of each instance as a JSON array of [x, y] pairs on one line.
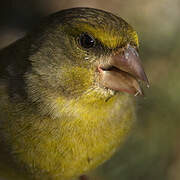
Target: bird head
[[80, 50]]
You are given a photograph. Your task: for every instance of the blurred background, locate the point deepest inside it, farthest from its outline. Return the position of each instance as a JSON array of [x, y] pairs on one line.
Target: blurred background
[[153, 148]]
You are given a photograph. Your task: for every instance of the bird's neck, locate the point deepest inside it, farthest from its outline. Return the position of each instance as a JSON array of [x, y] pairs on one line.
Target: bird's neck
[[91, 107]]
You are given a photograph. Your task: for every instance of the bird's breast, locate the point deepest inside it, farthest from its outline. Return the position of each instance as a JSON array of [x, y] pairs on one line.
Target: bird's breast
[[85, 134], [91, 132]]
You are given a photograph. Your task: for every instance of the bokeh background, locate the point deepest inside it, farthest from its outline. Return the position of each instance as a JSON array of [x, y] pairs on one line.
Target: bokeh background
[[153, 148]]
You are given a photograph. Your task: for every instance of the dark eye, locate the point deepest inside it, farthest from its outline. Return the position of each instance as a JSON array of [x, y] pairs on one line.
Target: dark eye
[[86, 41]]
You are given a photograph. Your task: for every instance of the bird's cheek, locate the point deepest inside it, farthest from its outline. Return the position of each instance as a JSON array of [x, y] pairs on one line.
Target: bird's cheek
[[76, 80]]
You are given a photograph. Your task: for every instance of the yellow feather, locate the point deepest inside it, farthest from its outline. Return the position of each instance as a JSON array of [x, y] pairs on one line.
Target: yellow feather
[[87, 133]]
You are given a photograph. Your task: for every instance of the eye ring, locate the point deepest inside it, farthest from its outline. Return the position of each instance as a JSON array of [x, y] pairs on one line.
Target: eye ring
[[86, 41]]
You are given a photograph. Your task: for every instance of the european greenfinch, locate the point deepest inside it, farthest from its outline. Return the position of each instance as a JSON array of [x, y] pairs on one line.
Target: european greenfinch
[[66, 95]]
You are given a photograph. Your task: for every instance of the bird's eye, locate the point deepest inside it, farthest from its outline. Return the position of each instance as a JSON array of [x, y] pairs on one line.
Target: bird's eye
[[86, 41]]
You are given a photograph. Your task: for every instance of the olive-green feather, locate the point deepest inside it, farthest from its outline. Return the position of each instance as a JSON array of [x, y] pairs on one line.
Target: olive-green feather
[[55, 122]]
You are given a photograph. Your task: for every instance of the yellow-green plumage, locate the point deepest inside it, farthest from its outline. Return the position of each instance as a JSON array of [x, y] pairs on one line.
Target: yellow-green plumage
[[55, 121], [79, 141]]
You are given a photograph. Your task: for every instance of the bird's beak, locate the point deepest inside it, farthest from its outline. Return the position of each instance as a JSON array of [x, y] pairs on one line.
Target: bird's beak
[[123, 71]]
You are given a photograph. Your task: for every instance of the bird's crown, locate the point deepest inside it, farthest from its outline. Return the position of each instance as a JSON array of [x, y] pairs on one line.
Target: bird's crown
[[110, 30]]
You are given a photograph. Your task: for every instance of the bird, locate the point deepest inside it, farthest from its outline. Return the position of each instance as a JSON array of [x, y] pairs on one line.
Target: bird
[[67, 94]]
